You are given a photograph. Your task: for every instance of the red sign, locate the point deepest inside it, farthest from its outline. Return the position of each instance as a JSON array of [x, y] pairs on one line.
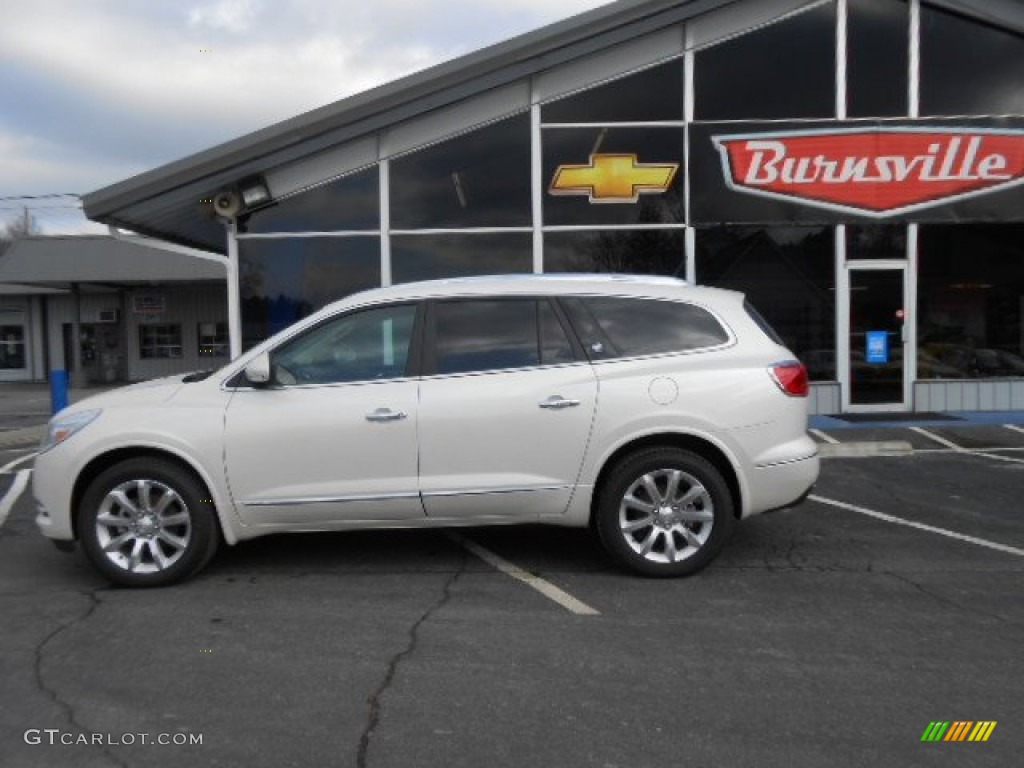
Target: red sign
[[873, 172]]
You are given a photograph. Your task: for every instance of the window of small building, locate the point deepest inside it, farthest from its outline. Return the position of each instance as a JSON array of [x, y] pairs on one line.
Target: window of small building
[[160, 340], [788, 273], [969, 68], [877, 73], [212, 339], [479, 179], [653, 95], [590, 175], [429, 257], [970, 301], [349, 203], [643, 251], [784, 70], [285, 279], [12, 347]]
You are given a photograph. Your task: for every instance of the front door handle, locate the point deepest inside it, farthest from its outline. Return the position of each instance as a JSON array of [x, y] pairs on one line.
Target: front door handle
[[386, 414], [557, 403]]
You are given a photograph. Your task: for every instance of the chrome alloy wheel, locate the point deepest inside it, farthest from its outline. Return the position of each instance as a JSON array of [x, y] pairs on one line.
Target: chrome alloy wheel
[[666, 516], [143, 526]]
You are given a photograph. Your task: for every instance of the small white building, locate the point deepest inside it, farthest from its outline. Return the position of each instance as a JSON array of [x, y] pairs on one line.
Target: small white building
[[138, 311]]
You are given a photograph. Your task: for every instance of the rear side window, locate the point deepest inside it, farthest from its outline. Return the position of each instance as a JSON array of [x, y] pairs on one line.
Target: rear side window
[[491, 334], [624, 327]]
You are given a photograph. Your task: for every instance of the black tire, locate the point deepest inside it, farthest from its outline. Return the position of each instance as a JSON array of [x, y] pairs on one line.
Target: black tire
[[681, 538], [161, 514]]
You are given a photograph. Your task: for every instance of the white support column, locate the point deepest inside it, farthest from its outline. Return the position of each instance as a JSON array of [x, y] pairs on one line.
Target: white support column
[[537, 185], [842, 16], [910, 316], [842, 318], [234, 294], [914, 75]]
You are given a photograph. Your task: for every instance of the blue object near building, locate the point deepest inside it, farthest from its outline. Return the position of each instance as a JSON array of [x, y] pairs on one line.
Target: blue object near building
[[877, 347], [58, 390]]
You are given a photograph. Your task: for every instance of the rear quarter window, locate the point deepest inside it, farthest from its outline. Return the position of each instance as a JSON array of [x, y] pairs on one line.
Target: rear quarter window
[[626, 327]]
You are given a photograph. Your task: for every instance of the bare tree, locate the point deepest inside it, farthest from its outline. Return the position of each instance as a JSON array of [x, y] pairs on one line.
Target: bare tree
[[23, 226]]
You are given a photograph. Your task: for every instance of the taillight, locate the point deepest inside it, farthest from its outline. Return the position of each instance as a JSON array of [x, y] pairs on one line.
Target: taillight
[[791, 376]]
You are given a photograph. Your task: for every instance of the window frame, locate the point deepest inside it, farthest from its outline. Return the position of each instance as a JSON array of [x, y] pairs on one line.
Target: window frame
[[165, 329]]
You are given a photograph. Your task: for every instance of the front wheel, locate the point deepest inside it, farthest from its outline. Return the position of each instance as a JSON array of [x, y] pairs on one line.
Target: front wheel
[[664, 512], [147, 523]]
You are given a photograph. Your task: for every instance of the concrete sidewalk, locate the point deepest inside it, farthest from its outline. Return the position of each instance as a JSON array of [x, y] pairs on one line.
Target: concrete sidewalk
[[25, 410]]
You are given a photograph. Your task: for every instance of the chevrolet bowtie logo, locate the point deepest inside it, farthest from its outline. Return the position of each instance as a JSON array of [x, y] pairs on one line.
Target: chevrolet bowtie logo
[[613, 179]]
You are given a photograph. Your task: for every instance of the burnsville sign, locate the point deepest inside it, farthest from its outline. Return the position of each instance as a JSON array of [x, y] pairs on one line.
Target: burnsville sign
[[878, 172]]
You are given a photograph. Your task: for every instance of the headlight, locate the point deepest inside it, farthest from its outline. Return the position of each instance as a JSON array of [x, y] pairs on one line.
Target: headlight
[[63, 427]]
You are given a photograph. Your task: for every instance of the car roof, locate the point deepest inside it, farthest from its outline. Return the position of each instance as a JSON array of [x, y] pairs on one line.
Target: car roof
[[550, 284]]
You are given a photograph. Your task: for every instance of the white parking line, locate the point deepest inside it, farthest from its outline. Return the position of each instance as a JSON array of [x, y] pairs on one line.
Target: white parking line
[[920, 526], [16, 489], [546, 588], [1014, 427], [20, 460], [940, 440], [823, 436]]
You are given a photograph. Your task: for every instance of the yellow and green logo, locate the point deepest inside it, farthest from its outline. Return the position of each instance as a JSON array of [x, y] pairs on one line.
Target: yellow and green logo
[[958, 730]]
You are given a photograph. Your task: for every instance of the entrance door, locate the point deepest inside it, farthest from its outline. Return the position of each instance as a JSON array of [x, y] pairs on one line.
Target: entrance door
[[877, 339]]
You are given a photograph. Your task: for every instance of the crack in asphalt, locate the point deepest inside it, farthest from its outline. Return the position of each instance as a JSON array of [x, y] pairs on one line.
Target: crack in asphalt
[[947, 601], [373, 716], [40, 649]]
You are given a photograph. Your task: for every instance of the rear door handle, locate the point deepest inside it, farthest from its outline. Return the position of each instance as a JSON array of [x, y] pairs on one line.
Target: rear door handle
[[386, 414], [557, 403]]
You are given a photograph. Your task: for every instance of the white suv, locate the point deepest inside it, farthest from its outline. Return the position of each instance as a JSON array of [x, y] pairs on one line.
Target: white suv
[[656, 412]]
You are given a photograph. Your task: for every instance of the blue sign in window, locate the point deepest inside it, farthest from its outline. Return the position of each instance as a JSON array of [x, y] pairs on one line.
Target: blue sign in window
[[878, 347]]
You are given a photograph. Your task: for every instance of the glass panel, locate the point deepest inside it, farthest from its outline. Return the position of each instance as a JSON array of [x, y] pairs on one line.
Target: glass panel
[[633, 327], [595, 178], [429, 257], [971, 301], [877, 58], [158, 341], [640, 252], [968, 67], [876, 333], [12, 347], [788, 273], [352, 202], [652, 95], [486, 335], [360, 346], [876, 241], [213, 339], [480, 179], [784, 70], [286, 279]]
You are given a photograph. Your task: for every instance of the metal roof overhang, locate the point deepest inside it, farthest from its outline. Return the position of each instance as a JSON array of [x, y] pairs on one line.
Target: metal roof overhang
[[164, 203]]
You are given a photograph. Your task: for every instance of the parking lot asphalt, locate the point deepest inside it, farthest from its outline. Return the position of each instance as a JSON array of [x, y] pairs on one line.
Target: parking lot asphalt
[[831, 634]]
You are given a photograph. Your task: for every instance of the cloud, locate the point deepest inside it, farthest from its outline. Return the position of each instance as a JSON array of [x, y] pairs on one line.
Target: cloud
[[229, 15]]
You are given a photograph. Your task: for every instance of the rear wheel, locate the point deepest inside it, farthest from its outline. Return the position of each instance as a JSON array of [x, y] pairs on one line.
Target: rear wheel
[[147, 523], [664, 512]]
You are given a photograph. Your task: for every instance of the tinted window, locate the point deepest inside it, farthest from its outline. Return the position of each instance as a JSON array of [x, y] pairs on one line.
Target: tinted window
[[428, 257], [480, 179], [352, 202], [784, 70], [360, 346], [647, 252], [968, 67], [654, 94], [495, 334], [877, 53], [876, 241], [644, 326], [283, 280]]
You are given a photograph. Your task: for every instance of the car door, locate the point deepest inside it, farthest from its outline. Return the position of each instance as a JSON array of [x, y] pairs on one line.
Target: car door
[[332, 439], [506, 410]]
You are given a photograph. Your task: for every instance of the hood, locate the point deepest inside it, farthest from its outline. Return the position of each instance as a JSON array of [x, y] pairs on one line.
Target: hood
[[144, 393]]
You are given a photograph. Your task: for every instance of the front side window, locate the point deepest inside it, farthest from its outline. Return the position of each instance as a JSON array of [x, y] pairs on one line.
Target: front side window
[[624, 327], [364, 345], [495, 334]]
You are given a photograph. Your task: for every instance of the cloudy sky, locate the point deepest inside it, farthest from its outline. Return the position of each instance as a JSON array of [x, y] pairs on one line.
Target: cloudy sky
[[95, 91]]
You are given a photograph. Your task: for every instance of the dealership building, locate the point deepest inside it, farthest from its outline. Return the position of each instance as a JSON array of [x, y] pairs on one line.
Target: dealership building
[[854, 166]]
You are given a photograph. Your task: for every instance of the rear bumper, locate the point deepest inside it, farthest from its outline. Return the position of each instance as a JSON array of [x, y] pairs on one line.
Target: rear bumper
[[782, 485]]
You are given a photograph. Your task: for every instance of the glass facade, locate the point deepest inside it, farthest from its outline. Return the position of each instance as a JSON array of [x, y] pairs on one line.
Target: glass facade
[[608, 177]]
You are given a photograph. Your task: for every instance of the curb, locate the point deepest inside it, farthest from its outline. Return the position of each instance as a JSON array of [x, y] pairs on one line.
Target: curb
[[866, 449]]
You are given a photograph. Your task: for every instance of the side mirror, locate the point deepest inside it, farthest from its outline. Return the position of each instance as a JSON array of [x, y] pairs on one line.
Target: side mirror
[[257, 372]]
